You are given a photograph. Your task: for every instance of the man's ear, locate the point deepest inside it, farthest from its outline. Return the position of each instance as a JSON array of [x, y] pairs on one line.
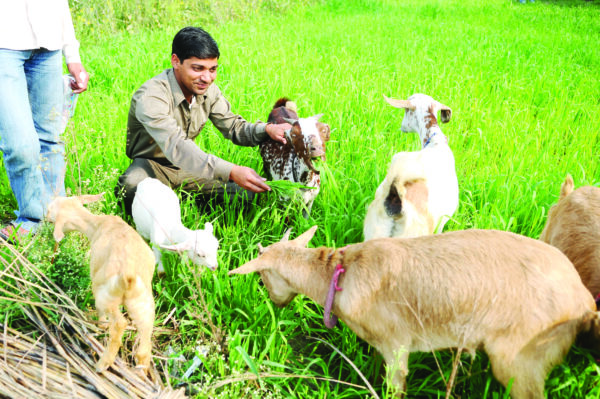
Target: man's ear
[[175, 61]]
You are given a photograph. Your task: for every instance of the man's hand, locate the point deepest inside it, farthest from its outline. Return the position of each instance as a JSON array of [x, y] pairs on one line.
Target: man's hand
[[81, 76], [277, 132], [247, 178]]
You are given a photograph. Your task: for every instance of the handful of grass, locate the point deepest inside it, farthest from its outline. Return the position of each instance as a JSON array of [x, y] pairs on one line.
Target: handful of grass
[[286, 187]]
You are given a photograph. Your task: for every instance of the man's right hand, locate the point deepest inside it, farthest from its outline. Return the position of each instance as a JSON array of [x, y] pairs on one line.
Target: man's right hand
[[247, 178]]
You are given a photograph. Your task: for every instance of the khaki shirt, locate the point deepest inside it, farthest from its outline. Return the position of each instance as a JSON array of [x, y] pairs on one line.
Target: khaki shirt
[[162, 127]]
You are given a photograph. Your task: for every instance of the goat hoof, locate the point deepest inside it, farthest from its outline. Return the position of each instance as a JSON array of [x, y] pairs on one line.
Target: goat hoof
[[102, 365]]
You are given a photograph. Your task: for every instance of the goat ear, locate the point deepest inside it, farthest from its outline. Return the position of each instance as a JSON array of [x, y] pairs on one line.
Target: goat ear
[[567, 186], [399, 103], [254, 265], [286, 235], [317, 116], [208, 227], [303, 239], [290, 121], [181, 247], [446, 112], [86, 199]]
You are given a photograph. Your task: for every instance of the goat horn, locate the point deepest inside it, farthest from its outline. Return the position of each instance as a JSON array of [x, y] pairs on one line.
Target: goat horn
[[261, 249], [399, 103]]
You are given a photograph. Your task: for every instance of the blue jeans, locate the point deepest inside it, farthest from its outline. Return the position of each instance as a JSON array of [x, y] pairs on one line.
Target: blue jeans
[[31, 103]]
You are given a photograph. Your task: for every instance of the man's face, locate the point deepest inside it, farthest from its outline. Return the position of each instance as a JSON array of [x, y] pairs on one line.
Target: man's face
[[194, 75]]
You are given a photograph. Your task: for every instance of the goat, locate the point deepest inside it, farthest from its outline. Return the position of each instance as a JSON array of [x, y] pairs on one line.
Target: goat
[[573, 226], [157, 217], [121, 269], [293, 161], [420, 191], [518, 299]]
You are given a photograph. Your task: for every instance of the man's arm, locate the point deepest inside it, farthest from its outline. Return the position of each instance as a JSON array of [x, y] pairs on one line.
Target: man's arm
[[152, 111], [236, 128]]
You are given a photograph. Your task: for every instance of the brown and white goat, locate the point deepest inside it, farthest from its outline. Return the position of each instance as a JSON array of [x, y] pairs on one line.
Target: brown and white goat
[[420, 191], [573, 226], [518, 299], [293, 160], [121, 268]]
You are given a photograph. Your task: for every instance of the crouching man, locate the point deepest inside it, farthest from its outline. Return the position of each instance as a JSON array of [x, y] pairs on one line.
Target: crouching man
[[169, 111]]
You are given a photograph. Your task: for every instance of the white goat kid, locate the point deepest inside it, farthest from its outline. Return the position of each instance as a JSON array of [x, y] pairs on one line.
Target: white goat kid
[[157, 217], [420, 191]]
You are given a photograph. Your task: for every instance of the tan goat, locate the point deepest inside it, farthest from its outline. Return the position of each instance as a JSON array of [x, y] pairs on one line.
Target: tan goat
[[121, 268], [573, 226], [518, 299]]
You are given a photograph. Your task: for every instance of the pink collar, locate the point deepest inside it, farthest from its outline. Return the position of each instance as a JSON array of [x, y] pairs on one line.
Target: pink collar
[[328, 318]]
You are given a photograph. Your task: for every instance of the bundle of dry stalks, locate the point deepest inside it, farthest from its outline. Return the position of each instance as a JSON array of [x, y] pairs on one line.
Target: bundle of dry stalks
[[52, 354]]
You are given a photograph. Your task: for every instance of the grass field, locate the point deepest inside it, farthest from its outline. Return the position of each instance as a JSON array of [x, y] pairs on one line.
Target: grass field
[[521, 79]]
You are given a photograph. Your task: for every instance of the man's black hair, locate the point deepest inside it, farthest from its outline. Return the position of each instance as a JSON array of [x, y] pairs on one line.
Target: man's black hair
[[194, 42]]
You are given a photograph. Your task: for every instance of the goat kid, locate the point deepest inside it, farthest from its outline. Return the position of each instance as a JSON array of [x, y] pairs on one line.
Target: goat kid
[[420, 191], [293, 161], [517, 298], [573, 226], [157, 216], [121, 269]]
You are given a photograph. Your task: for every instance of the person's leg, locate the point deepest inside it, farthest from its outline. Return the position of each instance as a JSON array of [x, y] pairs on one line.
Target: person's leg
[[136, 172], [44, 79], [19, 141]]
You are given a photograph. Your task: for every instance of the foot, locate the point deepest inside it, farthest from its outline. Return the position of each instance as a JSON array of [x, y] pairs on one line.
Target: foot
[[13, 234]]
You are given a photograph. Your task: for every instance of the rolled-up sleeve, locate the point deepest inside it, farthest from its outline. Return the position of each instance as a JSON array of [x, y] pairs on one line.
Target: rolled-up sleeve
[[70, 48], [154, 113]]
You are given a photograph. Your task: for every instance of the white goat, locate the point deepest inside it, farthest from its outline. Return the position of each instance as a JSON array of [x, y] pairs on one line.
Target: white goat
[[420, 191], [157, 217], [518, 299], [121, 269]]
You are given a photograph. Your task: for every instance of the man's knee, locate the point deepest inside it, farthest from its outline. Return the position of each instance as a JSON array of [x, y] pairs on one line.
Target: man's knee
[[128, 182]]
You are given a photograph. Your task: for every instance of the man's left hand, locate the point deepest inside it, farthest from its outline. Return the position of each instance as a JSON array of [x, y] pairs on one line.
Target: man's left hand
[[81, 76]]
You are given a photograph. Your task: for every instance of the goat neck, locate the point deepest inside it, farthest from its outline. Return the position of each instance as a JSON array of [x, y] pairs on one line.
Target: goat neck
[[308, 270], [432, 138], [178, 232], [429, 131], [83, 221]]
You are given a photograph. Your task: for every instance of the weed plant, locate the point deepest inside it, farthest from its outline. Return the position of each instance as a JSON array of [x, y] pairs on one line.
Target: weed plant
[[521, 79]]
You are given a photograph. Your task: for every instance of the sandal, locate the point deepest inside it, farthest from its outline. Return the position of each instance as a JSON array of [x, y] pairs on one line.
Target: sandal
[[13, 234]]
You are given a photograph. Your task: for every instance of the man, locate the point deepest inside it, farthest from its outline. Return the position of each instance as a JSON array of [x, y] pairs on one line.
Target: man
[[33, 34], [169, 111]]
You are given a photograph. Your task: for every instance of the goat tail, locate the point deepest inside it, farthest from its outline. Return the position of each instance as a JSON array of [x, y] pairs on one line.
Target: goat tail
[[287, 103], [122, 283]]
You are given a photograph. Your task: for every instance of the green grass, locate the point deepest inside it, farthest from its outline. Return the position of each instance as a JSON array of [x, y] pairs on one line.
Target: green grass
[[522, 81]]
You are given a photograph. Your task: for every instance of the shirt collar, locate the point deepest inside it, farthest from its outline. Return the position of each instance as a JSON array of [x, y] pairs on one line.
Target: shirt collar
[[178, 96]]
